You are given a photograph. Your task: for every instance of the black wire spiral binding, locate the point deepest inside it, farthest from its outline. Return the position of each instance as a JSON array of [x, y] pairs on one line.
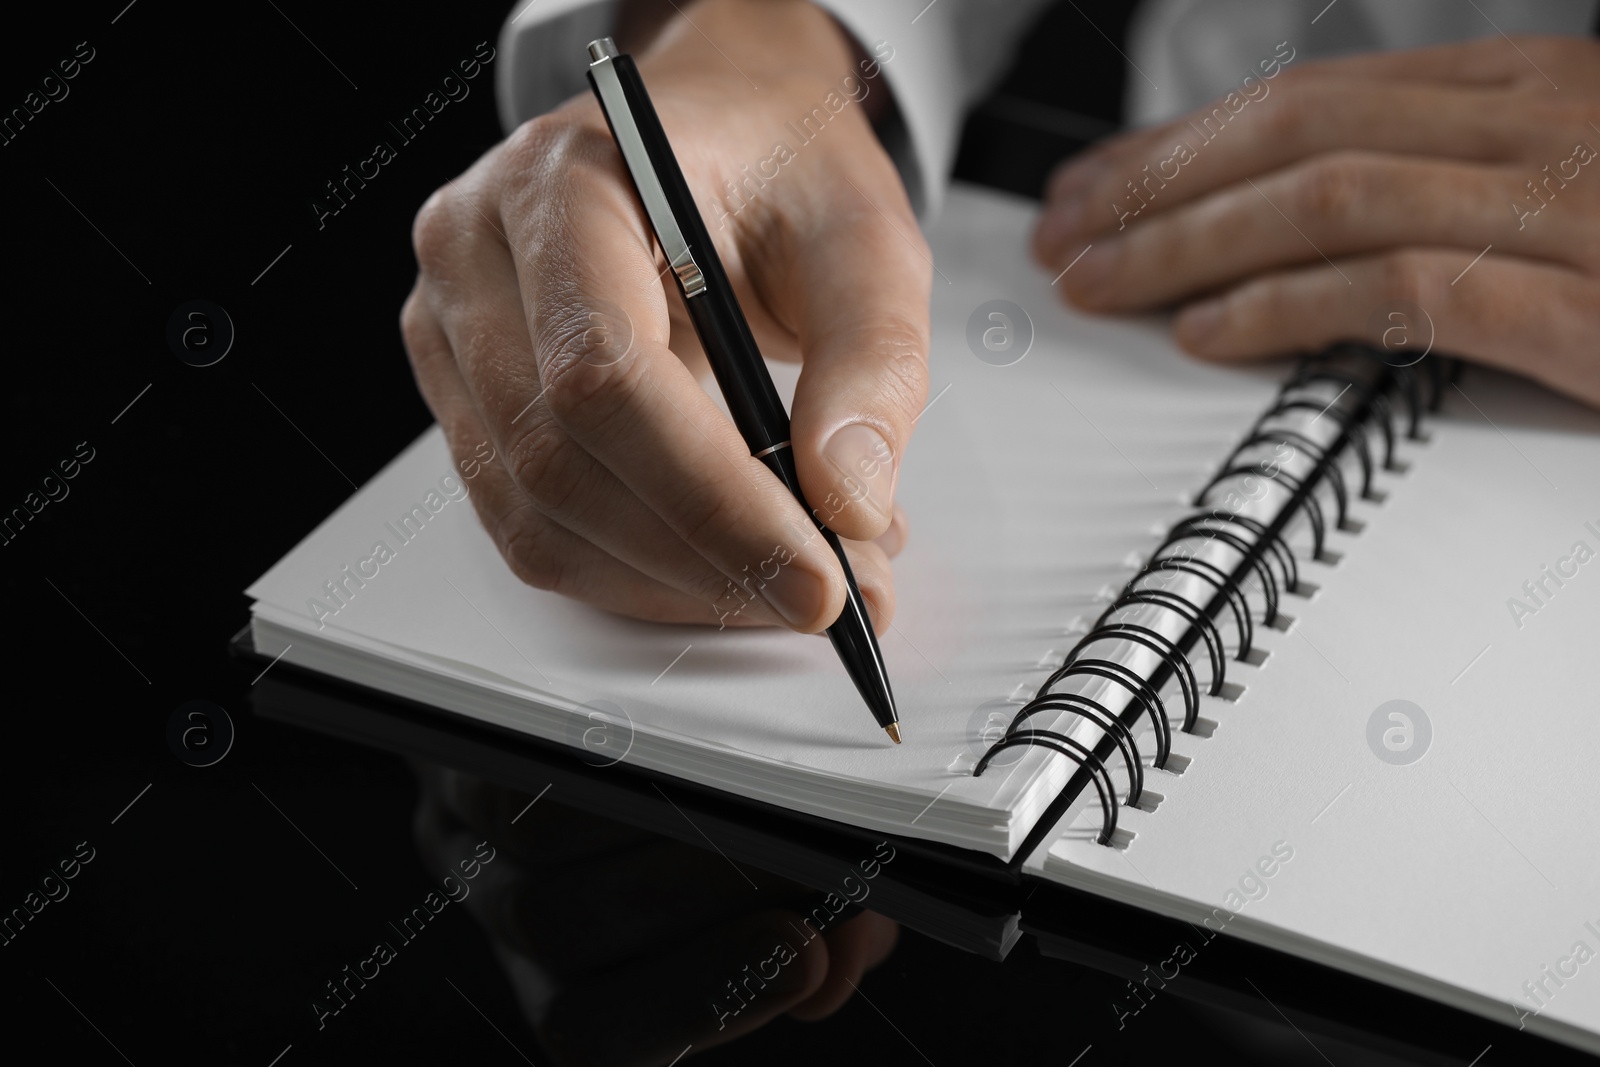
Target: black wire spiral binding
[[1355, 369]]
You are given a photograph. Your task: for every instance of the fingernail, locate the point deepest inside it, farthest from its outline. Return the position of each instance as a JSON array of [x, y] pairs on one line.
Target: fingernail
[[1060, 222], [866, 467], [1198, 324]]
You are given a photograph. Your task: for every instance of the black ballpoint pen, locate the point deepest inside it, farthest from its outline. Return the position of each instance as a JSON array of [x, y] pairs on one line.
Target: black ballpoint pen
[[735, 360]]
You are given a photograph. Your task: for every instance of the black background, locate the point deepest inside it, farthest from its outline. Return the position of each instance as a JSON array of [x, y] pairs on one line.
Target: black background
[[180, 166]]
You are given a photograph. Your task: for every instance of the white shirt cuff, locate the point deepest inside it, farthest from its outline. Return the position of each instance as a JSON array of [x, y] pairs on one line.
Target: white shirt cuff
[[937, 59]]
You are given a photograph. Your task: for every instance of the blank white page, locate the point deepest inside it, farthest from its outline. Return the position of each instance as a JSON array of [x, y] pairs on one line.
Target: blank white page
[[1461, 875], [1027, 486]]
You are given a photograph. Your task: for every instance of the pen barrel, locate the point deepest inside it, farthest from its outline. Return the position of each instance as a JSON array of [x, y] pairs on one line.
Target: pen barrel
[[736, 362], [741, 373], [852, 632], [781, 462], [724, 334]]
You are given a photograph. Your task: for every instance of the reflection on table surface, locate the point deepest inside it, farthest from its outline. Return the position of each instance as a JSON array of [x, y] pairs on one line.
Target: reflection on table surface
[[625, 947]]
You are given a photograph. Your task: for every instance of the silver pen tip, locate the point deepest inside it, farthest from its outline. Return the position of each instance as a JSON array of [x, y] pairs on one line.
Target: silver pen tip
[[602, 48]]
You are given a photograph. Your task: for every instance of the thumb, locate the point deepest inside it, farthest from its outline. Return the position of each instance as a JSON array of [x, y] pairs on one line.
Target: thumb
[[858, 297]]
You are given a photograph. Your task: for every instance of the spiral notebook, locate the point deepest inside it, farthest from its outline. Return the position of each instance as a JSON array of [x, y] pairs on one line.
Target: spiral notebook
[[1279, 651]]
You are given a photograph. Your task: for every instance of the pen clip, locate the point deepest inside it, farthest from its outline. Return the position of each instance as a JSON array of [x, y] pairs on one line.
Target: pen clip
[[637, 157]]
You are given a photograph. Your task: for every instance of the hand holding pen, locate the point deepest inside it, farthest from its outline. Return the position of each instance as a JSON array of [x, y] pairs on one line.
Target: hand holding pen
[[737, 363], [613, 477]]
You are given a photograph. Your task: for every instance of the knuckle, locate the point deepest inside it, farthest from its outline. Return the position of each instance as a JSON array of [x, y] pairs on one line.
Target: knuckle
[[544, 147], [581, 389], [525, 544], [1284, 114], [530, 146], [584, 351], [433, 232], [1267, 313], [1262, 303], [1333, 188], [542, 464], [413, 323], [1413, 277], [900, 354]]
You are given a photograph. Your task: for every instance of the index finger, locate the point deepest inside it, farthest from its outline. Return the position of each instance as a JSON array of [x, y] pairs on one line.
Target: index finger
[[644, 416]]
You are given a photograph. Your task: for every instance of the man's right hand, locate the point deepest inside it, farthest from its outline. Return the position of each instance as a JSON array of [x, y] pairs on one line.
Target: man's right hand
[[543, 323]]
